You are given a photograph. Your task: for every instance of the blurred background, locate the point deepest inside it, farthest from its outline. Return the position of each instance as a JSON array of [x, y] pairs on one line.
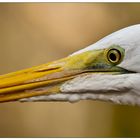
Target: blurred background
[[36, 33]]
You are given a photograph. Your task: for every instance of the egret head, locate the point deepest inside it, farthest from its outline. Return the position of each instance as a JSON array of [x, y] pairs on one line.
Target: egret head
[[107, 70]]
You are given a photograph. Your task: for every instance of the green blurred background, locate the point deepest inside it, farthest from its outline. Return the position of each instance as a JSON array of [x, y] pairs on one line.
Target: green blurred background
[[36, 33]]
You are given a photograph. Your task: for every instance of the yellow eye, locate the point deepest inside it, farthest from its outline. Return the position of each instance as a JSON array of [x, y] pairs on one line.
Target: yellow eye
[[114, 56]]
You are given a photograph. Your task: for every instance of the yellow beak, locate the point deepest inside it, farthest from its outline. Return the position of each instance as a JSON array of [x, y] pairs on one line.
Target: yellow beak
[[48, 78], [44, 79], [39, 80]]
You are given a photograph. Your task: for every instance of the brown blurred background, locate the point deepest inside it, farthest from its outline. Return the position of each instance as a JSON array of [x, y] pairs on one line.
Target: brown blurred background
[[35, 33]]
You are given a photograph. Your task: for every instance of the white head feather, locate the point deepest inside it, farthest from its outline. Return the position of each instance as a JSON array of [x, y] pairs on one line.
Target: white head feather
[[129, 39]]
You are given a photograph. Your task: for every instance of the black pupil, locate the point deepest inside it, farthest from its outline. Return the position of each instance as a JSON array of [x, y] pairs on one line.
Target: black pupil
[[112, 56]]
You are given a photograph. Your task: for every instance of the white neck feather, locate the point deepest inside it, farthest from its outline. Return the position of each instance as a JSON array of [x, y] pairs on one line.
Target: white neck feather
[[120, 89]]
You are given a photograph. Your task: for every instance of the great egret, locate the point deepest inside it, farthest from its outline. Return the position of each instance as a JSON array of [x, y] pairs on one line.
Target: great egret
[[108, 70]]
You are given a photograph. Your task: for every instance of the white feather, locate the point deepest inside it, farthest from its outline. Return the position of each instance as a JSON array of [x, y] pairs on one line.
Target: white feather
[[129, 39], [120, 89]]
